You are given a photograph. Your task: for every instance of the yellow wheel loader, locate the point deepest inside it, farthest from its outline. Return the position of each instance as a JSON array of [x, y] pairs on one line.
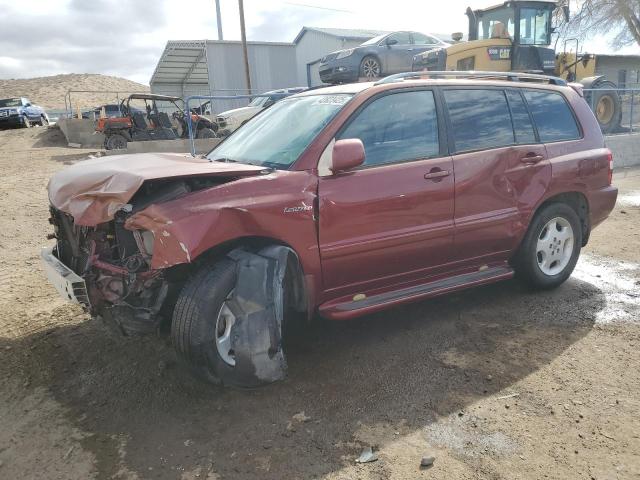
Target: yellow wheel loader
[[515, 36]]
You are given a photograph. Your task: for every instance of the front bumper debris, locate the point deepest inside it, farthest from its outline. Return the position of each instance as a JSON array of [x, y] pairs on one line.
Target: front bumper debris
[[69, 285]]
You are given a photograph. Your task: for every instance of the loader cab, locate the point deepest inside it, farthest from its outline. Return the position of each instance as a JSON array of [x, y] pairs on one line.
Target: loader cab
[[521, 31]]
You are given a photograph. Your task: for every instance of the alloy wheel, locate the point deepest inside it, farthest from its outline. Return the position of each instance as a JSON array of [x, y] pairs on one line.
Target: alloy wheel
[[555, 246]]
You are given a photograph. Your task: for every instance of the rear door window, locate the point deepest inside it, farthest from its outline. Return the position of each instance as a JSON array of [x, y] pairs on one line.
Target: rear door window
[[553, 117], [480, 119], [522, 125], [397, 127], [421, 39]]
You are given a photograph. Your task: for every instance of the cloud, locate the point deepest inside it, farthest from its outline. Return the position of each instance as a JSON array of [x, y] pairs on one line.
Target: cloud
[[126, 37], [98, 36]]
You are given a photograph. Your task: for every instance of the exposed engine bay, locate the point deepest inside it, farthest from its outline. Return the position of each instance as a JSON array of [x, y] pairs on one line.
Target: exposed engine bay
[[116, 262]]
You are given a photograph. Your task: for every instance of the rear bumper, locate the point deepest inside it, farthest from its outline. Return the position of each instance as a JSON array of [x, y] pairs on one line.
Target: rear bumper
[[601, 203], [69, 285]]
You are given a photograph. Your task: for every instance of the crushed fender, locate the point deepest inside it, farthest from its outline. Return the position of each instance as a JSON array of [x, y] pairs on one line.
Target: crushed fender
[[258, 305]]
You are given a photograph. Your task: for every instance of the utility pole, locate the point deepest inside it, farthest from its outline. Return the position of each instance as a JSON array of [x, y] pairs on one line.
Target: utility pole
[[219, 19], [244, 45]]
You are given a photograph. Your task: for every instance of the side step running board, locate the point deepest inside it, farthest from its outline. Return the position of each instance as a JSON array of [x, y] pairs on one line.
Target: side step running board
[[380, 301]]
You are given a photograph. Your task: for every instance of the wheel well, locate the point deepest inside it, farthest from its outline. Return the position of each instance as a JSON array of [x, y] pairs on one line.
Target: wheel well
[[296, 293], [578, 202]]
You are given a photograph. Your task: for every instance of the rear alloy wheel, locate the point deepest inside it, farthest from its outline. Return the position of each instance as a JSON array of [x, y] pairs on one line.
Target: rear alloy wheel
[[370, 68], [115, 141], [550, 248], [555, 246]]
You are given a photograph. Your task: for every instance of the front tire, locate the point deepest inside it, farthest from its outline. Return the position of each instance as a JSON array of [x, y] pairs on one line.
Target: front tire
[[370, 68], [550, 248], [44, 121], [26, 122], [202, 322]]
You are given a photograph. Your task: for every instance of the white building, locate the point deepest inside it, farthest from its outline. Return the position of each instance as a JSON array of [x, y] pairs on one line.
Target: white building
[[216, 67]]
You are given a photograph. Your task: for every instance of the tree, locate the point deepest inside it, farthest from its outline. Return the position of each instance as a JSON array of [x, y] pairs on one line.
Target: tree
[[597, 17]]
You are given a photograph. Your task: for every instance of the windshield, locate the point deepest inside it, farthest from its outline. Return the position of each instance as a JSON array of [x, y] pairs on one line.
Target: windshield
[[496, 23], [258, 101], [278, 136], [534, 26], [374, 40], [11, 102]]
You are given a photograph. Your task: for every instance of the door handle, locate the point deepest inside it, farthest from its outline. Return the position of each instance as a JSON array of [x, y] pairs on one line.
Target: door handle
[[531, 159], [436, 174]]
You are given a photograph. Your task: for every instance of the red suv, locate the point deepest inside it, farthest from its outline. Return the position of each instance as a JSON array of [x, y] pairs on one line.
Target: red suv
[[340, 201]]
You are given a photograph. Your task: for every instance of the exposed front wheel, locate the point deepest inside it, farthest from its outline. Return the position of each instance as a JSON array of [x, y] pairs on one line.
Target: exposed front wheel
[[202, 321], [26, 122], [44, 121], [551, 247], [370, 68], [227, 321]]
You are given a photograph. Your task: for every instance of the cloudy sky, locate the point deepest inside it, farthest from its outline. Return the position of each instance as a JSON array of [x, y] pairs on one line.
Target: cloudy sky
[[126, 37]]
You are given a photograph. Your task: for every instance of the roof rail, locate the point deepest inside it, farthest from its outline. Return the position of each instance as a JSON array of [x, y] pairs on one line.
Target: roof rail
[[509, 76]]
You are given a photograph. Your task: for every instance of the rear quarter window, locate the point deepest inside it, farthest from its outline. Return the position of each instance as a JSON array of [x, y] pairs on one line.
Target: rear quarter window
[[552, 116]]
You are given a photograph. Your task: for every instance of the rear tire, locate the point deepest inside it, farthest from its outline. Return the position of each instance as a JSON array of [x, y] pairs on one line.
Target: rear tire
[[550, 248], [606, 105], [196, 330], [206, 133]]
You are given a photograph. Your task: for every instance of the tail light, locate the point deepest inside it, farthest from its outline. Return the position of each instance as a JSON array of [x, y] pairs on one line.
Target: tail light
[[610, 161]]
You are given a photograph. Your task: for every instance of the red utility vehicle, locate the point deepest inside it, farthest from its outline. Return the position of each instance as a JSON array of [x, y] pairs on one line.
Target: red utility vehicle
[[151, 117], [340, 201]]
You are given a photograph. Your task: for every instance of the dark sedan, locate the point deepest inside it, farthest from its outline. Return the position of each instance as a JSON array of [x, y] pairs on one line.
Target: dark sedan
[[383, 55]]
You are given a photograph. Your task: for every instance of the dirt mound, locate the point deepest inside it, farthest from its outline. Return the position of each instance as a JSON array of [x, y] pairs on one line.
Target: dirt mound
[[49, 92], [23, 139]]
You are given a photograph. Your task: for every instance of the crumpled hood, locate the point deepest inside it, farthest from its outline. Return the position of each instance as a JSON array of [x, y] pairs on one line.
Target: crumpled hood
[[94, 190]]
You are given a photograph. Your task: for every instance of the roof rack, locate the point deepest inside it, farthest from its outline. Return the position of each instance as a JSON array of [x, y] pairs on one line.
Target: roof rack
[[509, 76]]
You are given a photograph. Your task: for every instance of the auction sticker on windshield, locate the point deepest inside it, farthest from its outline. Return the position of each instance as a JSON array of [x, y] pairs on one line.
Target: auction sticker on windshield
[[332, 100]]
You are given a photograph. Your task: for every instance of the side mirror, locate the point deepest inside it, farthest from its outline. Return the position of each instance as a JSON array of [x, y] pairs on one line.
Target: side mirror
[[27, 104], [391, 41], [457, 36], [347, 154]]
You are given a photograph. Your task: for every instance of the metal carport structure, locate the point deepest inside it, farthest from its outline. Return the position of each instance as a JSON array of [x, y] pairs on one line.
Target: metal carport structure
[[183, 63]]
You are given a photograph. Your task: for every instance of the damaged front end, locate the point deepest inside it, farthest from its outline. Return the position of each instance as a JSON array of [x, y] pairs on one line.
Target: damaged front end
[[114, 263]]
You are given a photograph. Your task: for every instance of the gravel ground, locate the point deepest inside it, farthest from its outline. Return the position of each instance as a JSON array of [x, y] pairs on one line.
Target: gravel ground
[[494, 382]]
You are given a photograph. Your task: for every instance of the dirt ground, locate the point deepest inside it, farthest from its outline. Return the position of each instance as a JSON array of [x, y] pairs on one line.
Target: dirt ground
[[495, 382]]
